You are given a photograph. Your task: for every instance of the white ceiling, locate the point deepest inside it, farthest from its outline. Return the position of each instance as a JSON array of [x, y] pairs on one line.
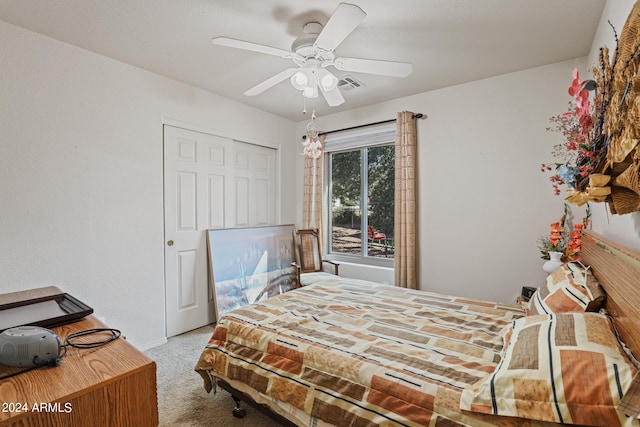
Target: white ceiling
[[448, 42]]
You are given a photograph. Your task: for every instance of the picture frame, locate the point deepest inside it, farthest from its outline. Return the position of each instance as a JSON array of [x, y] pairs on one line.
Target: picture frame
[[248, 265]]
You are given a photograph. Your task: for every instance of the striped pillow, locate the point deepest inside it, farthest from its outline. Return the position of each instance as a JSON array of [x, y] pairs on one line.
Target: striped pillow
[[630, 403], [566, 368], [570, 288]]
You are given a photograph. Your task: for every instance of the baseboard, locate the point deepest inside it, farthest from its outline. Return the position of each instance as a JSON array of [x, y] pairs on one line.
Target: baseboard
[[151, 344]]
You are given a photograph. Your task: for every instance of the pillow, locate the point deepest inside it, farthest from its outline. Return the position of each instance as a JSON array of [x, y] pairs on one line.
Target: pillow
[[564, 368], [630, 403], [570, 288]]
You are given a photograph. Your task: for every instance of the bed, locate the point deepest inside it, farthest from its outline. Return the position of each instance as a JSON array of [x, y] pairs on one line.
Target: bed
[[357, 353]]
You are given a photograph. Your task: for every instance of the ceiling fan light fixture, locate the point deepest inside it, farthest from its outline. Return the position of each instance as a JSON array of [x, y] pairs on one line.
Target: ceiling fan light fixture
[[328, 82], [314, 51], [299, 80], [310, 91]]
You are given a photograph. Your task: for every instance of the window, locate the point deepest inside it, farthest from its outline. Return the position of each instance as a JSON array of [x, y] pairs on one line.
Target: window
[[361, 178]]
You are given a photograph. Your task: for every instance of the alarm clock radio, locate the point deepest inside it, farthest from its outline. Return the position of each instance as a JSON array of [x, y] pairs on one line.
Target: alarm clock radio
[[28, 346], [527, 292]]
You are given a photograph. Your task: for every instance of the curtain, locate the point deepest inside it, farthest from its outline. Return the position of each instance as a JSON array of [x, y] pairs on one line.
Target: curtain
[[312, 192], [405, 201]]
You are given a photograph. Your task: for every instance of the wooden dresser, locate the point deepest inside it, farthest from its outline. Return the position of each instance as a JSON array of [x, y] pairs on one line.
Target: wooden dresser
[[114, 385]]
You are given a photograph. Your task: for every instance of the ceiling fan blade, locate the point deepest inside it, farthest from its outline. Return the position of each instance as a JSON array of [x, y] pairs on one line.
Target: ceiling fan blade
[[344, 20], [255, 47], [334, 97], [270, 82], [372, 66]]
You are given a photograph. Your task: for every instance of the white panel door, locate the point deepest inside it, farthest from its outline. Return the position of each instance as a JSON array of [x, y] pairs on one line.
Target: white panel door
[[209, 182], [264, 186], [253, 202]]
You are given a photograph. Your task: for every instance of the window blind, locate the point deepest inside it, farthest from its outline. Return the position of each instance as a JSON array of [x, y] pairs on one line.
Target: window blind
[[358, 138]]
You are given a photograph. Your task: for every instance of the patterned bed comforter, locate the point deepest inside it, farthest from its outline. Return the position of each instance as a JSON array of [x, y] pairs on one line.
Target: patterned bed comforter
[[351, 352]]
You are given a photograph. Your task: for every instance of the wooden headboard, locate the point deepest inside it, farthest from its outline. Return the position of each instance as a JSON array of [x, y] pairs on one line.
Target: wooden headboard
[[617, 268]]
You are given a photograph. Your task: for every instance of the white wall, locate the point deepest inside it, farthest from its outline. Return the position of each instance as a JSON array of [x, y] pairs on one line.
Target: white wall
[[483, 201], [81, 200], [621, 228]]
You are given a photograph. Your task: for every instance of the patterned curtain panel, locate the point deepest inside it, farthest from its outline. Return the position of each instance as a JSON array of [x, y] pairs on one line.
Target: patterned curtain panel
[[405, 201], [312, 192]]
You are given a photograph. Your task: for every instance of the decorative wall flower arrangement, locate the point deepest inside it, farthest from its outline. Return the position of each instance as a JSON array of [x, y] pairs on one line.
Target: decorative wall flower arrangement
[[599, 159], [575, 154]]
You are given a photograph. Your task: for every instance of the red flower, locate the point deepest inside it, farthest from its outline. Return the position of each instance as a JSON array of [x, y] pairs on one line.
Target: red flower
[[576, 85], [556, 233], [586, 122]]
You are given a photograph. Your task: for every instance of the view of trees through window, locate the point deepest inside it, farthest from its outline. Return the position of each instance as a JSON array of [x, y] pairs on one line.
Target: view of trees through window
[[359, 228]]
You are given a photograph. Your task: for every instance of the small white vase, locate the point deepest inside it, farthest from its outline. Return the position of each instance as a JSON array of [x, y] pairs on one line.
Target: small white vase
[[554, 263]]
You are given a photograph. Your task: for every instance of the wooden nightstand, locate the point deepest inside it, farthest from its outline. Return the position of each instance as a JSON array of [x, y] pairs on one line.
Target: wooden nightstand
[[114, 385]]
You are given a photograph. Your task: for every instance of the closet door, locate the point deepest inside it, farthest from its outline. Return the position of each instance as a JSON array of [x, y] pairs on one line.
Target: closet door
[[209, 182]]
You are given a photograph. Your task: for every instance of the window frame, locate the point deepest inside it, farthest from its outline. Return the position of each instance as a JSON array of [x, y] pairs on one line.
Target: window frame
[[361, 139]]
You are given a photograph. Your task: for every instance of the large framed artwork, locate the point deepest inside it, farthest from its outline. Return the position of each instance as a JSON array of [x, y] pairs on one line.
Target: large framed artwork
[[250, 264]]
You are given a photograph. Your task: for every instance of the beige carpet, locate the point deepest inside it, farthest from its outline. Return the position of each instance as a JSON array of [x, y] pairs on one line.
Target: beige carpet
[[182, 400]]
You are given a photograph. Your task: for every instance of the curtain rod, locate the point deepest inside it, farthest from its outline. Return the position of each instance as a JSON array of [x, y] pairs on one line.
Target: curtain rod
[[415, 116]]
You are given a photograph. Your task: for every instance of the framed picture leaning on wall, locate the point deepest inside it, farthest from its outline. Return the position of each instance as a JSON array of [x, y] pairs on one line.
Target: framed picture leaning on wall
[[248, 265]]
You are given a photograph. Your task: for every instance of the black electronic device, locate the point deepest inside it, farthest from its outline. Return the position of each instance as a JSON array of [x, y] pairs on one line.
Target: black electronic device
[[49, 311], [29, 346], [527, 292]]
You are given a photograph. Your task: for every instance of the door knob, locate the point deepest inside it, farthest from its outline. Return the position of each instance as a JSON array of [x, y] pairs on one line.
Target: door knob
[[170, 243]]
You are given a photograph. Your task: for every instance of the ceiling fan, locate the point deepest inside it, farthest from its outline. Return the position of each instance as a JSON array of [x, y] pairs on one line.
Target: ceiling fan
[[314, 52]]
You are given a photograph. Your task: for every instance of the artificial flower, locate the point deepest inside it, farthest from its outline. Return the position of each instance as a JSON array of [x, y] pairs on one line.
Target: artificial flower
[[577, 158], [576, 85], [559, 240], [567, 174]]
